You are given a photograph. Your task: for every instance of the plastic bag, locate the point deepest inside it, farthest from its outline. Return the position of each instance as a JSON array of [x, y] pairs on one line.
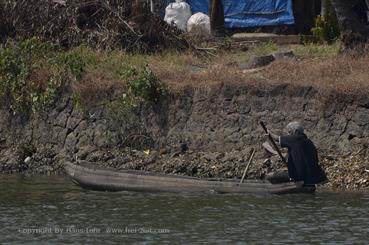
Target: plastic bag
[[199, 22], [177, 14]]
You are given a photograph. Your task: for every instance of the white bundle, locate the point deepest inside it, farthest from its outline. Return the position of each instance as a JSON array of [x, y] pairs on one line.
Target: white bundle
[[199, 22], [177, 14]]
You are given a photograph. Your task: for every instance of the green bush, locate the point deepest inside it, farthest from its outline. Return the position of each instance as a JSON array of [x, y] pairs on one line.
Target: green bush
[[142, 85], [33, 73], [326, 28], [74, 62]]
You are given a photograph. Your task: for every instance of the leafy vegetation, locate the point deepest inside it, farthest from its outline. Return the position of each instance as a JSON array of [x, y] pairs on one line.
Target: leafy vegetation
[[33, 74], [326, 28], [142, 85], [20, 68]]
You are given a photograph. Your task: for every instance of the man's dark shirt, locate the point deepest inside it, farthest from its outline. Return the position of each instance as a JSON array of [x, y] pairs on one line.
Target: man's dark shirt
[[302, 159]]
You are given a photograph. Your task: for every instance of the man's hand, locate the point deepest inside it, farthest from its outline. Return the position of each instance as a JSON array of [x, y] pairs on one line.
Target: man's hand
[[267, 134], [274, 136]]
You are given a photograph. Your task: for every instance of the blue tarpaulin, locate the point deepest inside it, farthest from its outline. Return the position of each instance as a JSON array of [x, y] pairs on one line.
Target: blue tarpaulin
[[250, 13]]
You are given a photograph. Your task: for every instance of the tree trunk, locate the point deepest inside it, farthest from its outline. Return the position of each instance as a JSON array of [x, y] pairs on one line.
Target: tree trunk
[[304, 12], [155, 6], [354, 30], [216, 12], [326, 7]]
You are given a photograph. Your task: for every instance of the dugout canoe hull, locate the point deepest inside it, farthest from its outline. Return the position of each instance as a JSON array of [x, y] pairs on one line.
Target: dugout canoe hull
[[129, 180]]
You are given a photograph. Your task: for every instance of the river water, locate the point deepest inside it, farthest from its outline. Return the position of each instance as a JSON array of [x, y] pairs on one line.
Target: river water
[[44, 210]]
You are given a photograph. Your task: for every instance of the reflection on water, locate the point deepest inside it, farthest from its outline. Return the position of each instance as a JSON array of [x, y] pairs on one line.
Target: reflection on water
[[53, 210]]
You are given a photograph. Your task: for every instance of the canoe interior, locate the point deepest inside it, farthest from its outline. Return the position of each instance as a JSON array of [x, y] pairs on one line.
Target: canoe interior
[[131, 180]]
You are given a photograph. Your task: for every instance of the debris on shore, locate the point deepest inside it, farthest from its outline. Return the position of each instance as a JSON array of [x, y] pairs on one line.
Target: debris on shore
[[344, 173], [99, 24], [349, 172]]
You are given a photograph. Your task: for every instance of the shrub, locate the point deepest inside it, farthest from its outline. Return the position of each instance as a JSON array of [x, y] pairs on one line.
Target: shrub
[[326, 28], [74, 62], [33, 73], [142, 85]]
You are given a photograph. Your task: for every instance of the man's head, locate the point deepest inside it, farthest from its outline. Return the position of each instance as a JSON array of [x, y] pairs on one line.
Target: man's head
[[295, 128]]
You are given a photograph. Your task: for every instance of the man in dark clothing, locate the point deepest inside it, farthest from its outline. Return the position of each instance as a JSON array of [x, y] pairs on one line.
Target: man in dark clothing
[[302, 160]]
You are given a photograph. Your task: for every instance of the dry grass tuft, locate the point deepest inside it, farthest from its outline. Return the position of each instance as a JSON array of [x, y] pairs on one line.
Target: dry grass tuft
[[342, 74], [97, 88], [38, 79], [329, 74]]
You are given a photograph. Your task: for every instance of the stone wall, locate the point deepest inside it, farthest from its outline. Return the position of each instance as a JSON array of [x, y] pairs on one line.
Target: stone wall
[[219, 118]]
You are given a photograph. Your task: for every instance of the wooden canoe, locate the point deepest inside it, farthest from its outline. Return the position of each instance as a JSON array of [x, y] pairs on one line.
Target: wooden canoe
[[131, 180]]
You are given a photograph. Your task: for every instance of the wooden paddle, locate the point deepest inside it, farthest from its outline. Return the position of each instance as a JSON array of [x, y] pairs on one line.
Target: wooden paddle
[[273, 142], [252, 153]]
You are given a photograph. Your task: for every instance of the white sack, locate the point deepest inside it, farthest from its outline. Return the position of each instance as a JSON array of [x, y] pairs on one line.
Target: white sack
[[178, 14], [199, 22]]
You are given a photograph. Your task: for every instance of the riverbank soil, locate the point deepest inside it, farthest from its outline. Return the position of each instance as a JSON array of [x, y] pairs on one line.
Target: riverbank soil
[[204, 120]]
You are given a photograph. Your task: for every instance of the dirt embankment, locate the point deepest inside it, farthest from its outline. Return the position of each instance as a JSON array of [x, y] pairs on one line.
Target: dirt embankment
[[206, 132]]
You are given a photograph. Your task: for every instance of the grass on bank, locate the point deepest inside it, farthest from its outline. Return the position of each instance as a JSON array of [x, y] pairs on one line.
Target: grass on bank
[[33, 74], [317, 65]]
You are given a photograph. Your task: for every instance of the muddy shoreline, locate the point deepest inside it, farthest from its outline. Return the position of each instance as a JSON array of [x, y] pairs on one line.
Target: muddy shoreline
[[198, 131]]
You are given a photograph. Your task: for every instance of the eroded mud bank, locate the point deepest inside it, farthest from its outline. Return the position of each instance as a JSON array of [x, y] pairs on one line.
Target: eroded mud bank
[[206, 132]]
